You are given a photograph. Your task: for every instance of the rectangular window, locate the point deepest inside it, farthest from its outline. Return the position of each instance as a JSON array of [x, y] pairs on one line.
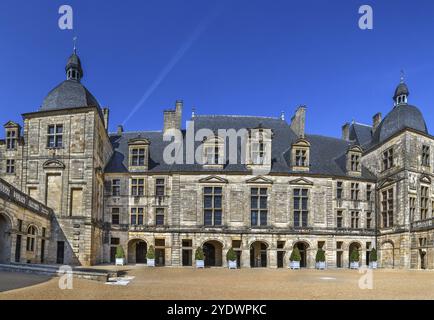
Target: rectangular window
[[301, 158], [425, 156], [424, 202], [387, 208], [368, 192], [212, 154], [116, 187], [412, 205], [115, 241], [354, 219], [11, 140], [388, 159], [300, 207], [137, 187], [160, 187], [137, 216], [258, 206], [258, 152], [369, 220], [355, 162], [339, 219], [355, 191], [212, 206], [55, 136], [10, 166], [339, 190], [115, 216], [159, 217], [138, 157]]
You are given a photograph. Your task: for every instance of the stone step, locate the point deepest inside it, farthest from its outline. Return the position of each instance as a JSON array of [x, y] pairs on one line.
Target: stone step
[[54, 270]]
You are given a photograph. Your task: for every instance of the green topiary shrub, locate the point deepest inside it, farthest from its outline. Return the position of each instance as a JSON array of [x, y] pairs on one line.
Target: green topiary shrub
[[231, 255], [320, 255], [199, 255], [120, 252], [354, 257], [373, 255], [295, 255], [151, 253]]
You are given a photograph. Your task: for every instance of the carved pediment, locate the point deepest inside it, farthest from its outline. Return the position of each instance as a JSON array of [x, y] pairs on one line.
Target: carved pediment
[[355, 148], [301, 181], [138, 142], [213, 179], [425, 179], [301, 142], [385, 183], [54, 164], [260, 179], [11, 124]]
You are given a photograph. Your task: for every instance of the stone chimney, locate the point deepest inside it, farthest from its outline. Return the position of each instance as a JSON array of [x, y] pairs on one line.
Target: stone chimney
[[120, 130], [376, 120], [298, 121], [105, 113], [346, 132], [173, 118]]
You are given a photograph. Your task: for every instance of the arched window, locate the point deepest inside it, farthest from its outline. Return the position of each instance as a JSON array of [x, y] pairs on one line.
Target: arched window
[[31, 237]]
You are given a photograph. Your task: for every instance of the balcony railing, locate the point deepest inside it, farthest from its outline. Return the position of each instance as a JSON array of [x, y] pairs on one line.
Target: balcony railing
[[423, 224]]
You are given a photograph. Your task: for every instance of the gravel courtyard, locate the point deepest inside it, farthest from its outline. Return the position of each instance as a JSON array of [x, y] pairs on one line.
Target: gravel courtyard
[[219, 283]]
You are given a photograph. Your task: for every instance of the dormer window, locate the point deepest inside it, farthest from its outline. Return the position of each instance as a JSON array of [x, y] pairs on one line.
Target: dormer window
[[354, 165], [11, 139], [425, 156], [138, 157], [300, 155], [213, 151], [138, 154], [259, 147]]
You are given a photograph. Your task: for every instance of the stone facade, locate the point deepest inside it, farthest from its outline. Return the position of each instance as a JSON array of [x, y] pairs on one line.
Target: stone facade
[[371, 189]]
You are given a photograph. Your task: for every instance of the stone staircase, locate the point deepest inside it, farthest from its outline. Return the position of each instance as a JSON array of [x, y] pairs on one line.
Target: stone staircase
[[55, 270]]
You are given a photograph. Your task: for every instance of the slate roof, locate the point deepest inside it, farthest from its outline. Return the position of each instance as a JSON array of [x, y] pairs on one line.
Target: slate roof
[[360, 133], [68, 94], [326, 153], [402, 116]]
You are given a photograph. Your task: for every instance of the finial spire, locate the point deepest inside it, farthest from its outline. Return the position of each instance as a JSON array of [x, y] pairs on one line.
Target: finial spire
[[282, 115], [75, 44], [402, 76], [193, 112]]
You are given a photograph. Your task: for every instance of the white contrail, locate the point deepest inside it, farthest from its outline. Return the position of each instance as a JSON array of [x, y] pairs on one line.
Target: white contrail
[[175, 59]]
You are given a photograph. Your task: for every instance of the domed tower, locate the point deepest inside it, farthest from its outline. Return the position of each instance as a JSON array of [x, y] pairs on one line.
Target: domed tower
[[68, 127]]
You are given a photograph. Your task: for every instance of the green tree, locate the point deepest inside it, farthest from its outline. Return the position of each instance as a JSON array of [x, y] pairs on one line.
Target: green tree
[[151, 253], [320, 255], [199, 255], [373, 255], [354, 257], [231, 255], [295, 255], [120, 252]]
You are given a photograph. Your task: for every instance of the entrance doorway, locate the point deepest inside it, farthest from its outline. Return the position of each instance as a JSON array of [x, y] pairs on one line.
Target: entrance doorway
[[354, 246], [141, 249], [112, 254], [60, 252], [160, 259], [5, 239], [339, 259], [280, 255], [213, 253], [422, 255], [258, 254], [302, 247], [18, 249]]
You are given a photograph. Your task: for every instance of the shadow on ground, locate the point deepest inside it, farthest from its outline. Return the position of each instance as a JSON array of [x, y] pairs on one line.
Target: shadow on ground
[[14, 280]]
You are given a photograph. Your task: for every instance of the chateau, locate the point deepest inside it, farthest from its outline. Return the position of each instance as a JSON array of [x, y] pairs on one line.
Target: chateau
[[71, 192]]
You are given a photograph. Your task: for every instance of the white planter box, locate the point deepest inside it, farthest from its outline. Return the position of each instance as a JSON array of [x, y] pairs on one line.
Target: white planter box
[[373, 265], [120, 262], [354, 265], [200, 264], [232, 264], [321, 265], [294, 264], [150, 262]]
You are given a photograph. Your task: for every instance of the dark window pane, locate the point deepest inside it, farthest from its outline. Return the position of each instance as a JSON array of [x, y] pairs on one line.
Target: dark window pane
[[263, 218], [208, 218], [140, 219], [133, 220], [296, 218], [218, 190], [159, 220], [217, 202], [263, 191], [254, 190], [217, 218], [263, 203], [254, 202], [254, 217], [208, 201], [304, 203]]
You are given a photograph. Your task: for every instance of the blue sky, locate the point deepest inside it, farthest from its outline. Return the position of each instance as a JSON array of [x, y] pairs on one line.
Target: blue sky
[[246, 57]]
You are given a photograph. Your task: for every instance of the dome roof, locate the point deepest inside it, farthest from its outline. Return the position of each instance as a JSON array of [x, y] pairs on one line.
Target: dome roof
[[402, 116], [69, 94], [74, 63], [401, 89]]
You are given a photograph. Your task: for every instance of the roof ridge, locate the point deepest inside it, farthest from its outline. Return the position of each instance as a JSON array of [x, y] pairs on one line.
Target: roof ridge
[[236, 116], [362, 124], [145, 131]]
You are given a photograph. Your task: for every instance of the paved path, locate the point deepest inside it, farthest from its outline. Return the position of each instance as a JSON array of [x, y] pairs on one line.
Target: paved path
[[219, 284]]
